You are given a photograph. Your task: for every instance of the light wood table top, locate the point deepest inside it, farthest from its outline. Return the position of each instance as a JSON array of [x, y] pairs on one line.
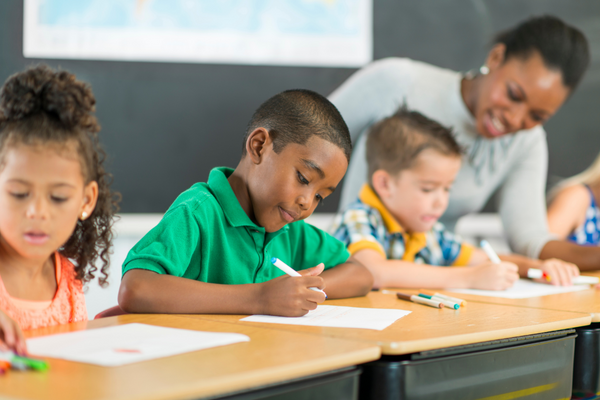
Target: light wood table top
[[428, 328], [271, 356], [585, 301]]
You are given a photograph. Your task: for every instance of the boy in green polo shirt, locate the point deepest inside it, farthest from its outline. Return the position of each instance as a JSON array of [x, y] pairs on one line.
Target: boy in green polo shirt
[[211, 252]]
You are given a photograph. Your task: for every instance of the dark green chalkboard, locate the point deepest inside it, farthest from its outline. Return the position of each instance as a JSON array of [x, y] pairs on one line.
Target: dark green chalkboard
[[165, 125]]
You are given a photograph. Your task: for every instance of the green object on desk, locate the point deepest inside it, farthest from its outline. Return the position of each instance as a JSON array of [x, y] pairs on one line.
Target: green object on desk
[[38, 365]]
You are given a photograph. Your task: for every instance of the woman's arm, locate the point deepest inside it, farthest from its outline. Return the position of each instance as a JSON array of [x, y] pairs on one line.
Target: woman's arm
[[370, 94], [522, 201], [587, 258]]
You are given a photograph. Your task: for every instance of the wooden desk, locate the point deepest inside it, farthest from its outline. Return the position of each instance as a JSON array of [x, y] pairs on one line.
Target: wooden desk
[[428, 328], [585, 301], [269, 357]]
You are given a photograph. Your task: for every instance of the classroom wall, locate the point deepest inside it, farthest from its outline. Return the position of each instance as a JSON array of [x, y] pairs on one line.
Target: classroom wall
[[166, 125]]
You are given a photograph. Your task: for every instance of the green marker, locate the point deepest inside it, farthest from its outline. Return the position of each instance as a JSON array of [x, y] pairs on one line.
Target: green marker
[[32, 363], [35, 364], [446, 303]]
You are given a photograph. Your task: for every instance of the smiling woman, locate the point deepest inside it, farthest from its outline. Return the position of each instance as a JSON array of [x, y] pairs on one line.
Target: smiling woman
[[496, 114]]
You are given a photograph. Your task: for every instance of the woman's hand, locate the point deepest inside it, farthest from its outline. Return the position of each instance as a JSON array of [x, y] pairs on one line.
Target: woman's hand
[[561, 273]]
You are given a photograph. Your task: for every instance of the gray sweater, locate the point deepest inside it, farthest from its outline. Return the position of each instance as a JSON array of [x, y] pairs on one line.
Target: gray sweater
[[514, 165]]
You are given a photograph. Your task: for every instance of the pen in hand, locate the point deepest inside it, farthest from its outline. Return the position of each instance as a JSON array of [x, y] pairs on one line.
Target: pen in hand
[[490, 252], [291, 272]]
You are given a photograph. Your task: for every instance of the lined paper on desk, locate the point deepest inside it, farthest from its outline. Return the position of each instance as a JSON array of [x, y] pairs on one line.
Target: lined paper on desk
[[523, 289], [339, 317], [128, 343]]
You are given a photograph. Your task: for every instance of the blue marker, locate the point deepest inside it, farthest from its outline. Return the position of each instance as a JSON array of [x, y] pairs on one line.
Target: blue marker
[[291, 272]]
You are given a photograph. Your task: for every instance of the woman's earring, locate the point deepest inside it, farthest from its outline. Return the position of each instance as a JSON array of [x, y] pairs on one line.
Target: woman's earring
[[484, 70], [84, 215]]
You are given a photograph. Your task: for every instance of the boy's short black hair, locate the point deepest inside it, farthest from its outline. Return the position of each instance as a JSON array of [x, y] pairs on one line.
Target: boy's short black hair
[[293, 116], [561, 46], [395, 142]]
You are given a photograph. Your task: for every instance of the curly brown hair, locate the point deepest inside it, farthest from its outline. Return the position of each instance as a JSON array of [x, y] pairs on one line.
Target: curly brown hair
[[40, 106]]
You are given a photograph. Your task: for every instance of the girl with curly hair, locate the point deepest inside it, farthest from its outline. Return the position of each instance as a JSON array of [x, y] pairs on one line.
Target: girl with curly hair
[[56, 207]]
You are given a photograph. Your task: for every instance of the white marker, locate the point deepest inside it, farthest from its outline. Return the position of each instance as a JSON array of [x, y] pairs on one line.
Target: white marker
[[291, 272], [535, 273], [585, 280], [490, 252]]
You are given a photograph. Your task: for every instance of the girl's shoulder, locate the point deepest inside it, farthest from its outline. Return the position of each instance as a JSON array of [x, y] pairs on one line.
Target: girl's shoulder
[[575, 194], [575, 198]]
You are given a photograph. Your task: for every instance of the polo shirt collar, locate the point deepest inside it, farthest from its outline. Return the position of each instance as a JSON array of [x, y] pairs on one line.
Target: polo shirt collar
[[234, 213], [220, 187], [370, 198], [413, 243]]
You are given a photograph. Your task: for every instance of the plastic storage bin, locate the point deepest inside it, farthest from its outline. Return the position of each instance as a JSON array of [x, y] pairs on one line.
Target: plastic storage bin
[[535, 367], [339, 384], [586, 372]]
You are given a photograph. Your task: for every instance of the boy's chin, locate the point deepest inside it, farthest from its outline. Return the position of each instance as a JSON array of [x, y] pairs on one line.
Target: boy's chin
[[422, 227], [272, 226]]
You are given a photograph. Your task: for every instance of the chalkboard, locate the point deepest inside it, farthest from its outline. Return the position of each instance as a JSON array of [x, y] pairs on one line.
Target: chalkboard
[[165, 125]]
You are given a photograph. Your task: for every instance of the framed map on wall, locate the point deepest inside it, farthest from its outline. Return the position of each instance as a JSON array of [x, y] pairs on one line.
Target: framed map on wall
[[336, 33]]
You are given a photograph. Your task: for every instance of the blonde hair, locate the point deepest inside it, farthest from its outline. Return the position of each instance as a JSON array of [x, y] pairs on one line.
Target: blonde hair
[[587, 177]]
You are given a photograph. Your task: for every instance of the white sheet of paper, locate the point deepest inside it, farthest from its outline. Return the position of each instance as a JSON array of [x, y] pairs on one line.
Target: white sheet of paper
[[339, 317], [125, 344], [523, 289]]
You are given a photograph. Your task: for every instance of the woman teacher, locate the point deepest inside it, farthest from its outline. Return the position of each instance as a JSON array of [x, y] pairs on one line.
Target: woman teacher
[[497, 116]]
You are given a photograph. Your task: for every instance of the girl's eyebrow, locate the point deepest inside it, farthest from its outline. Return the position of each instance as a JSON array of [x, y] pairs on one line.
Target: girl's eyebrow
[[21, 181]]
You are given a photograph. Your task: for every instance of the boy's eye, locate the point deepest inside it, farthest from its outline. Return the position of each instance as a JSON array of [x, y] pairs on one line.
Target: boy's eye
[[427, 190], [302, 179], [320, 199]]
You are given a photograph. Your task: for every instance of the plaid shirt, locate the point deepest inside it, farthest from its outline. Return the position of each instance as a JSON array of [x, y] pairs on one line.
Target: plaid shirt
[[367, 224]]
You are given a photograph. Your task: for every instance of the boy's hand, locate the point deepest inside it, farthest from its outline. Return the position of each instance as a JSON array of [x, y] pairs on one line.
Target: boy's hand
[[290, 296], [11, 336], [561, 273], [490, 276], [314, 271]]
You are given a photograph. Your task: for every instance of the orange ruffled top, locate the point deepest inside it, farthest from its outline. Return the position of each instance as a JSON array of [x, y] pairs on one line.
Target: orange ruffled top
[[67, 306]]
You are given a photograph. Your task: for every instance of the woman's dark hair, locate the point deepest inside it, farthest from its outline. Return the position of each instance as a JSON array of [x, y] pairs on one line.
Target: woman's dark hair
[[561, 46], [40, 106]]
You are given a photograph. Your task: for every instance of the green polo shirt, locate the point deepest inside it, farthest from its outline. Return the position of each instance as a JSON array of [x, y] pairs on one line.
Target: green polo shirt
[[207, 236]]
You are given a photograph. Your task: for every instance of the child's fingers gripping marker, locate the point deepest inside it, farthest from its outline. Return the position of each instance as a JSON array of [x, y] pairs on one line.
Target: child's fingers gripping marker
[[292, 272]]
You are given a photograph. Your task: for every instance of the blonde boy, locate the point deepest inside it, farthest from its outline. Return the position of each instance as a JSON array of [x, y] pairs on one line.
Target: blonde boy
[[393, 226]]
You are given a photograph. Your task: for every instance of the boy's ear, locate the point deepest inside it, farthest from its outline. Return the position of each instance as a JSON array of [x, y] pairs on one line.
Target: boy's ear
[[256, 144], [381, 183]]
